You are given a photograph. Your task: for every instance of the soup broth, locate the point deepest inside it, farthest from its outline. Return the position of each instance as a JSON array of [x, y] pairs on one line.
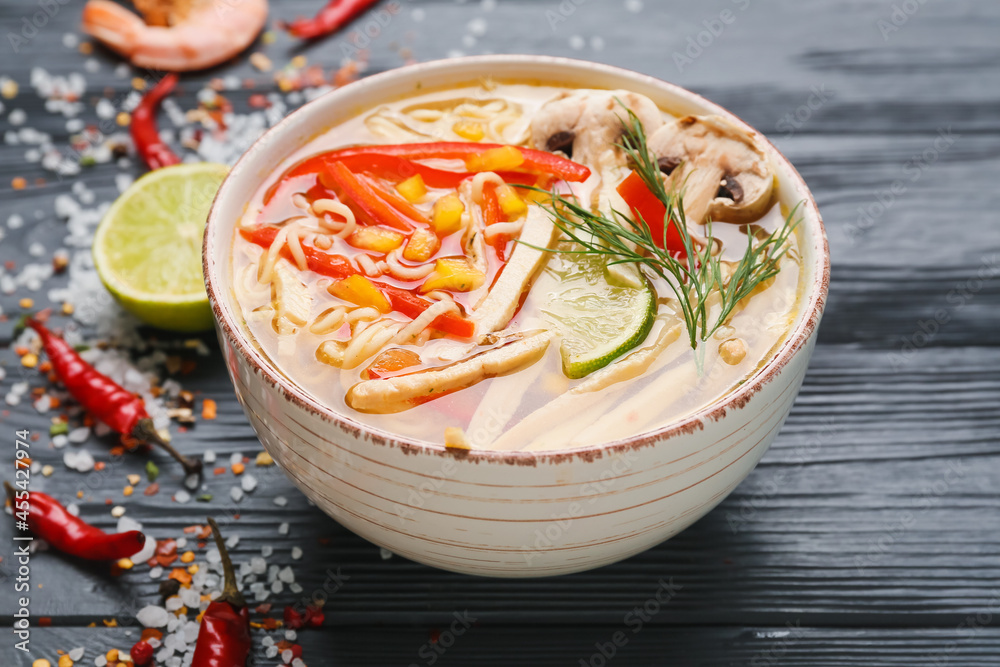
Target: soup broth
[[524, 345]]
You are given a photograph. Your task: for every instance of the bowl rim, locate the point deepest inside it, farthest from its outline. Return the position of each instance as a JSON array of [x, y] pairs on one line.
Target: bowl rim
[[815, 293]]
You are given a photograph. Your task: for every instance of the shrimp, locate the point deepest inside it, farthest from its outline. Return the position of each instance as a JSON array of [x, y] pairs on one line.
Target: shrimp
[[180, 35]]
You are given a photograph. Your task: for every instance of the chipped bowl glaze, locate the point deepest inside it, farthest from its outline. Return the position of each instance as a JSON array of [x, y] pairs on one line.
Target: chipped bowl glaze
[[505, 514]]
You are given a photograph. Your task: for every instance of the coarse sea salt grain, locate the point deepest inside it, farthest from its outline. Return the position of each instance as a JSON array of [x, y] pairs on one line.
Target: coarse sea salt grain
[[152, 616], [296, 553], [181, 496], [81, 461], [280, 501], [79, 435], [235, 457], [248, 483], [126, 524], [208, 456], [76, 654], [236, 493], [266, 551], [156, 572], [283, 528]]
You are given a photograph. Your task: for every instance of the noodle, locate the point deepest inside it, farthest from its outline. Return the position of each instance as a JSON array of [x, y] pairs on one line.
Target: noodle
[[344, 229], [367, 266], [267, 267], [498, 228], [403, 272], [295, 247], [328, 321], [409, 333]]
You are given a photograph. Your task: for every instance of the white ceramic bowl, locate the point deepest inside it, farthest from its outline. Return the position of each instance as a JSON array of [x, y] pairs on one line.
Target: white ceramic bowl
[[505, 514]]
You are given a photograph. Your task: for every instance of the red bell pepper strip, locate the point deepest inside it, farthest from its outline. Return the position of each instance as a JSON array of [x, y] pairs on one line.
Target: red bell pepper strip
[[412, 305], [400, 204], [491, 216], [323, 263], [224, 636], [145, 136], [337, 266], [647, 207], [102, 397], [49, 520], [535, 161], [389, 167], [366, 198], [334, 16], [397, 169]]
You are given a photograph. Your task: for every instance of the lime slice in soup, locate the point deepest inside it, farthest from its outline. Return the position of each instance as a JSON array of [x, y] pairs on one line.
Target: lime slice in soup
[[599, 321], [147, 249]]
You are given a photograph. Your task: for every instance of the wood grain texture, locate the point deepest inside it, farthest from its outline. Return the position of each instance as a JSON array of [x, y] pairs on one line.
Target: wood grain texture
[[872, 522]]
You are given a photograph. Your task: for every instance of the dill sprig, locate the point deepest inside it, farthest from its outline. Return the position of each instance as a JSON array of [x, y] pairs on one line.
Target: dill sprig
[[693, 278]]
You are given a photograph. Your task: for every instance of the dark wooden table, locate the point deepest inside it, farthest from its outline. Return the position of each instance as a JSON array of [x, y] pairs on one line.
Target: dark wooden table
[[868, 535]]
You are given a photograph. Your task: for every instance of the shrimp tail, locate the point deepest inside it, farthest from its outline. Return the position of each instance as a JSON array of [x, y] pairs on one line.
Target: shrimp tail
[[113, 25]]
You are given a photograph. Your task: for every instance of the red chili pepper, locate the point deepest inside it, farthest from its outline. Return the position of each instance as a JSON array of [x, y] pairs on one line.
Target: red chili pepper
[[142, 653], [224, 637], [52, 522], [337, 266], [364, 196], [102, 397], [145, 136], [647, 207], [334, 16]]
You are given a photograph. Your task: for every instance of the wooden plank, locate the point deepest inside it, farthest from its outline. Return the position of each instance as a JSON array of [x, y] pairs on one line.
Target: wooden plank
[[487, 644]]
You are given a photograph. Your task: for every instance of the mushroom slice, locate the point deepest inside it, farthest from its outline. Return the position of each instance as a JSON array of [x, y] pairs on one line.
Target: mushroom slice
[[722, 169], [402, 392], [498, 306], [585, 123], [291, 299]]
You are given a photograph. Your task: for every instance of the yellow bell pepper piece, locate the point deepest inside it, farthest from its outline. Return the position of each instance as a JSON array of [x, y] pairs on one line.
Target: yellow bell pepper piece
[[510, 203], [469, 129], [376, 239], [495, 159], [360, 291], [412, 189], [453, 274], [446, 217], [421, 246]]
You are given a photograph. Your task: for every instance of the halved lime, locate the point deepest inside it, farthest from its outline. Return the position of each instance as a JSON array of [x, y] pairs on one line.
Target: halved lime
[[599, 321], [147, 249]]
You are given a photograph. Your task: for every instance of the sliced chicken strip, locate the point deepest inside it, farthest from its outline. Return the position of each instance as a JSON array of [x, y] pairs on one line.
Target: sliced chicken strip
[[291, 298], [401, 392], [584, 404], [498, 306]]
